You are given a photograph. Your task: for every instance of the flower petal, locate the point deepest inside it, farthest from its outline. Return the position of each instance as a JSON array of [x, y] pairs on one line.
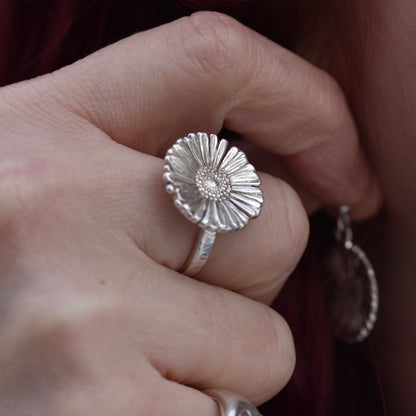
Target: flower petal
[[222, 147], [229, 216], [204, 148], [176, 179], [228, 157], [179, 167], [245, 168], [236, 164], [193, 146], [253, 191], [248, 199], [190, 194], [206, 220], [245, 178], [247, 207], [213, 148], [224, 222], [200, 210], [183, 153], [216, 223], [238, 216]]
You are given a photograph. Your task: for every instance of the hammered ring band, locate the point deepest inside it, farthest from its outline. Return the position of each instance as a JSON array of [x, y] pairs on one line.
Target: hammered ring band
[[214, 188]]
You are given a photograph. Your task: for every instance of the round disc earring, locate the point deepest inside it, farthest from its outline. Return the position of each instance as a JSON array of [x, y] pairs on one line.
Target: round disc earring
[[352, 290]]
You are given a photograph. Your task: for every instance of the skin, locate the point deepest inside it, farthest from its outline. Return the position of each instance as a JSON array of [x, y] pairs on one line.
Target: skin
[[91, 305]]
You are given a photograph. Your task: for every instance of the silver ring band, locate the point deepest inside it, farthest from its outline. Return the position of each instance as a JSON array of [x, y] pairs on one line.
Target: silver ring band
[[231, 404], [199, 255]]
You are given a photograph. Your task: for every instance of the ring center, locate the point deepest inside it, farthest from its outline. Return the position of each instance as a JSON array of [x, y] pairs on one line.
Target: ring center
[[213, 184]]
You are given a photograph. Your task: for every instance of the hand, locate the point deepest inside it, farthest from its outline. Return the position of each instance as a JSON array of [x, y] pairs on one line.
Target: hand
[[94, 317]]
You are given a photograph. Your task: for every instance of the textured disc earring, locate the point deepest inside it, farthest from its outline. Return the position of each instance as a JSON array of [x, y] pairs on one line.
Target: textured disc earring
[[351, 291]]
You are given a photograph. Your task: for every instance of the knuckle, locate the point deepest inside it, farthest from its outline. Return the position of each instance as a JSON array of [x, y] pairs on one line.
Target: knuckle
[[40, 348], [71, 357], [207, 42], [63, 339], [58, 332], [48, 351]]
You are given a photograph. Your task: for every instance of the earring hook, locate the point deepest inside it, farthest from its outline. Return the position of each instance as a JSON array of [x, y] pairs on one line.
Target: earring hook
[[343, 232]]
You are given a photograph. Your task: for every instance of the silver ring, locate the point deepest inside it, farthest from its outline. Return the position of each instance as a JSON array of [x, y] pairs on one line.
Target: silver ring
[[231, 404], [214, 188]]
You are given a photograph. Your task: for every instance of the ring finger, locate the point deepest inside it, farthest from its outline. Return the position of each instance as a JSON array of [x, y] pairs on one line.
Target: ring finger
[[254, 261]]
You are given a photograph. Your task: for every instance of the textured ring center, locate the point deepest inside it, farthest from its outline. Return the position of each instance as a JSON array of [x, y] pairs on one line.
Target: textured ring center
[[213, 184]]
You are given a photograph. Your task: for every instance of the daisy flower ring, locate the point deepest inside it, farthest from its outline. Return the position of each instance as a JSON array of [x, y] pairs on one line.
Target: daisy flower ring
[[213, 187]]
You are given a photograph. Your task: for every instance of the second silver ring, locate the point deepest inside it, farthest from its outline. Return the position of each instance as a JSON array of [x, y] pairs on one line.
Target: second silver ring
[[231, 404]]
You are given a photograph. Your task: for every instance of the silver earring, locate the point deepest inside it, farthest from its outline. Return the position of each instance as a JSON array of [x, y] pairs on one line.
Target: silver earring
[[352, 291]]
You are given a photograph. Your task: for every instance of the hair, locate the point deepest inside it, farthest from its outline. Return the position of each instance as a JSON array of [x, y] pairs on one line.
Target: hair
[[37, 37]]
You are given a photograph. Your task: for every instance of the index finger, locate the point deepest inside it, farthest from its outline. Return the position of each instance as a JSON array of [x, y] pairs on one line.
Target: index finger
[[205, 71]]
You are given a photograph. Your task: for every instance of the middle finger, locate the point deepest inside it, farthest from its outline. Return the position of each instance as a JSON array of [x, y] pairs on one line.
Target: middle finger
[[207, 70]]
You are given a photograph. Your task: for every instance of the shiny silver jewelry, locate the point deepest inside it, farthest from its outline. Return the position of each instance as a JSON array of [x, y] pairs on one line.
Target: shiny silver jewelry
[[231, 404], [214, 188], [352, 288]]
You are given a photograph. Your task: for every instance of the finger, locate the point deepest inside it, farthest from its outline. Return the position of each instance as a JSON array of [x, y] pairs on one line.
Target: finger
[[147, 318], [207, 70], [228, 341], [254, 261]]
